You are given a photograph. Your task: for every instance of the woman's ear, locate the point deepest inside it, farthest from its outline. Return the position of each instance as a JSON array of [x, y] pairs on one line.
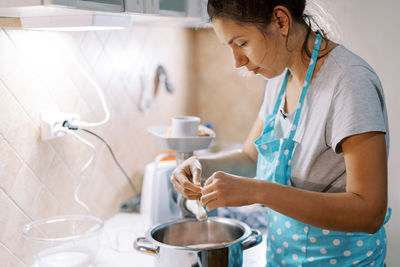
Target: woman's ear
[[281, 19]]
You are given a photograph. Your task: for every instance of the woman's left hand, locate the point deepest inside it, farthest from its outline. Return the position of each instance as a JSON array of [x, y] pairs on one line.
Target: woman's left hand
[[226, 190]]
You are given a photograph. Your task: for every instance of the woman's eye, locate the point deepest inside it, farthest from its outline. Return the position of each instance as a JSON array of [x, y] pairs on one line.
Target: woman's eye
[[243, 44]]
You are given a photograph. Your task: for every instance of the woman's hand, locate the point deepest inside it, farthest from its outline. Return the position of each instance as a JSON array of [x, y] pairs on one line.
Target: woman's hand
[[181, 178], [226, 190]]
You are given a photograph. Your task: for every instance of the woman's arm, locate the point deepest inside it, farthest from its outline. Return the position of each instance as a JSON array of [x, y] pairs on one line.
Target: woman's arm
[[361, 208], [241, 162], [186, 177]]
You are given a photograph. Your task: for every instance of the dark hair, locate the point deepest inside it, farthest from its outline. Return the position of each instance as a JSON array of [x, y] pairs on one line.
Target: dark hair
[[259, 14]]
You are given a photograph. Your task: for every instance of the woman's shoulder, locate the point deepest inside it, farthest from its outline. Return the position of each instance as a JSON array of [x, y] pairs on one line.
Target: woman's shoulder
[[345, 71], [348, 62]]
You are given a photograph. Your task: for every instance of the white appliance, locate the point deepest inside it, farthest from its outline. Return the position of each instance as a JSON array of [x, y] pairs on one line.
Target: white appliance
[[158, 199], [160, 202]]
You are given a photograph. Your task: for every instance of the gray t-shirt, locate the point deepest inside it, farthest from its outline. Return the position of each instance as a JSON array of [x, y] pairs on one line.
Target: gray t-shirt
[[344, 99]]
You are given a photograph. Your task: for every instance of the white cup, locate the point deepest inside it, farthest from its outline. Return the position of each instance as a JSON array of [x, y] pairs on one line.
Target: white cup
[[185, 126]]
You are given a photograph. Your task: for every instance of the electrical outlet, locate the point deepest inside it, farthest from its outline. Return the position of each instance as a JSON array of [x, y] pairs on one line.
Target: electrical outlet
[[51, 123]]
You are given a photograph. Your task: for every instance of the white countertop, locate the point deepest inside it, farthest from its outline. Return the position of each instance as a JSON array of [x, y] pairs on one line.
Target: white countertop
[[121, 230]]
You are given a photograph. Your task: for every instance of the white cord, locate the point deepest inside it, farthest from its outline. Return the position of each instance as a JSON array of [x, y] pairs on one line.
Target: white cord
[[76, 193], [82, 124]]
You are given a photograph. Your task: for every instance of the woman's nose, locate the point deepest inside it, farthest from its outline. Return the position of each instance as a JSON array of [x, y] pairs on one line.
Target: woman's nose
[[239, 58]]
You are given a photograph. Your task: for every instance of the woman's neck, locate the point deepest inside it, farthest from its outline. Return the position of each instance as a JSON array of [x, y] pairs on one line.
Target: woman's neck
[[298, 65]]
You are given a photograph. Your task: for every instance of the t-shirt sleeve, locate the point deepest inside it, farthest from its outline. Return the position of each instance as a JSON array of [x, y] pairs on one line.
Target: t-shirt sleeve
[[357, 106]]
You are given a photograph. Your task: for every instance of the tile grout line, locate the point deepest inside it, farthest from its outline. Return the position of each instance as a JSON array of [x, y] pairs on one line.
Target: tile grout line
[[44, 184], [23, 161], [91, 67], [16, 204], [89, 72], [29, 167], [36, 176], [19, 103], [8, 89], [12, 253], [35, 74], [25, 112], [33, 122]]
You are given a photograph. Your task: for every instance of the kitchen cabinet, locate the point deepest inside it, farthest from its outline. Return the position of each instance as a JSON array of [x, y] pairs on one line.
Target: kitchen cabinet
[[67, 14], [185, 8], [181, 13], [168, 8], [93, 5], [142, 6], [135, 6], [197, 8], [13, 3], [171, 8], [151, 6]]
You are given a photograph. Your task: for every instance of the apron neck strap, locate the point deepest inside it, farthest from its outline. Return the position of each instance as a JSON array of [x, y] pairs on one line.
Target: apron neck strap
[[310, 71], [280, 96]]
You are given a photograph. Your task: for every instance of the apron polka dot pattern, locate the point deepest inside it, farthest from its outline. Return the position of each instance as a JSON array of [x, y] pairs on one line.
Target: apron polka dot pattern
[[298, 244], [291, 242]]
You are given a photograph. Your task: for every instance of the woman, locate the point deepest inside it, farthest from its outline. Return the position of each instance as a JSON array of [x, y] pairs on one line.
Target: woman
[[319, 145]]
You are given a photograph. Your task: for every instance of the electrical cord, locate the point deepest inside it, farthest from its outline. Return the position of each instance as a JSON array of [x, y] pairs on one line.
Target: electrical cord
[[133, 205], [76, 193], [115, 159], [80, 124]]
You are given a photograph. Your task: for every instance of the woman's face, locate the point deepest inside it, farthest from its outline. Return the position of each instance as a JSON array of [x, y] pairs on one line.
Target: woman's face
[[264, 54]]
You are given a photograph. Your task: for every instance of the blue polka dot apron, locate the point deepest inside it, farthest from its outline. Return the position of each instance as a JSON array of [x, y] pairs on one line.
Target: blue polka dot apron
[[291, 242]]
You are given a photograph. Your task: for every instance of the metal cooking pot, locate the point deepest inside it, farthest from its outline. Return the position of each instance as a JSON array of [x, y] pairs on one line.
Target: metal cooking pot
[[215, 242]]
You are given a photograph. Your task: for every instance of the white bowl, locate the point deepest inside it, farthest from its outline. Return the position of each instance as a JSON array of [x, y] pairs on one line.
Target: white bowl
[[64, 241], [181, 144]]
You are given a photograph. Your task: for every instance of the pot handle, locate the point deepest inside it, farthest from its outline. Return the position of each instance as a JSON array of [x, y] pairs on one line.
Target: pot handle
[[143, 245], [254, 239]]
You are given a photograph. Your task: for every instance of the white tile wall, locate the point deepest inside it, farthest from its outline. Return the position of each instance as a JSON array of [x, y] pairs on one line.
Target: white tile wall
[[37, 71]]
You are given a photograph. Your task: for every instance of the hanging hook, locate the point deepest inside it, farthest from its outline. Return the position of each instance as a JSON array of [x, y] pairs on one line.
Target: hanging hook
[[161, 73]]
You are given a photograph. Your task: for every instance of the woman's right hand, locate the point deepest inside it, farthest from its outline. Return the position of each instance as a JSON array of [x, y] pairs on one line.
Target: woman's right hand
[[186, 178]]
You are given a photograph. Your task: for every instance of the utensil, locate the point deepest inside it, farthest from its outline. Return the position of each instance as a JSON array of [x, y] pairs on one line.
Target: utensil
[[197, 209], [215, 242], [184, 140], [201, 212]]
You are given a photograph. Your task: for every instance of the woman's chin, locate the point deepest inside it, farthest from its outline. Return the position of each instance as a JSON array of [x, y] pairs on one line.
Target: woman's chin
[[267, 74]]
